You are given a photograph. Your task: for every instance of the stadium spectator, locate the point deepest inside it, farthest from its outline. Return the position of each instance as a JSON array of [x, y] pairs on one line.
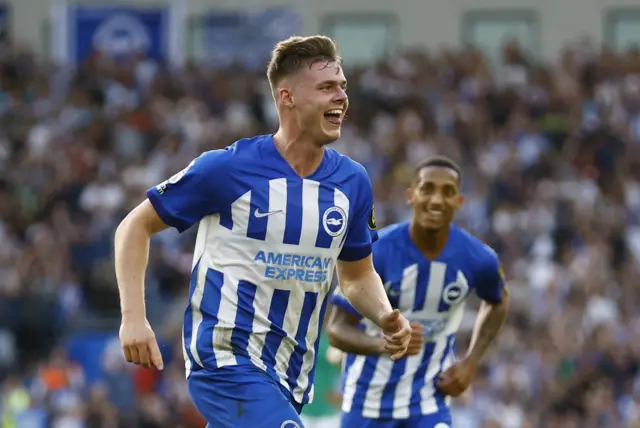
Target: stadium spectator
[[552, 161]]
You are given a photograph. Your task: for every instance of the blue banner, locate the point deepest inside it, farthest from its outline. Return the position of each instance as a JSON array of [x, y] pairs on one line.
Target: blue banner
[[247, 38], [5, 16], [118, 31]]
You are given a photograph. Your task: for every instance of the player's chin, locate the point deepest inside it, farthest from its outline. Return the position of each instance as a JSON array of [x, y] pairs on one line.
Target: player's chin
[[431, 225], [330, 135]]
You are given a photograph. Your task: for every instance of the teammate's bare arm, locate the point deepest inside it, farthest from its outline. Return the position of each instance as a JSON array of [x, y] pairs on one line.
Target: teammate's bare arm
[[491, 317], [489, 321], [362, 286], [344, 335]]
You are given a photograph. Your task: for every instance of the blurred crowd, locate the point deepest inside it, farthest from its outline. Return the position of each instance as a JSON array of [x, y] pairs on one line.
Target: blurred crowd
[[551, 163]]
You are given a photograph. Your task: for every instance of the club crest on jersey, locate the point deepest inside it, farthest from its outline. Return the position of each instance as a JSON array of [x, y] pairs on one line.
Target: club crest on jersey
[[290, 424], [453, 293], [334, 221]]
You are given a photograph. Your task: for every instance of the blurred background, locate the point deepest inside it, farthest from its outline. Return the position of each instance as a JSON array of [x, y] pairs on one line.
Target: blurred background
[[538, 100]]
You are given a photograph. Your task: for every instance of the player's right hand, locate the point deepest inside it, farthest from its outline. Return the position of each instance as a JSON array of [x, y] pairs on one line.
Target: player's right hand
[[139, 344], [417, 339], [397, 333]]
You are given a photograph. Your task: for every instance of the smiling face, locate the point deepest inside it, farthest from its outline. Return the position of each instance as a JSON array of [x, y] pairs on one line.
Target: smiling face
[[435, 197], [316, 97]]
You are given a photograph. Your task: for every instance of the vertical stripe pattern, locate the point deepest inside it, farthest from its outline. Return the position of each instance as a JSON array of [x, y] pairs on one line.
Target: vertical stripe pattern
[[278, 205], [311, 209], [259, 290], [377, 387]]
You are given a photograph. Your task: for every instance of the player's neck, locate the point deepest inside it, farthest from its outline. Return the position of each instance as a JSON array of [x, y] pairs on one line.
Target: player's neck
[[302, 155], [429, 242]]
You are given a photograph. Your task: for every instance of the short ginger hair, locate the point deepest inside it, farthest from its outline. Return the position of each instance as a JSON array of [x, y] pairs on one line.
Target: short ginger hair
[[291, 55]]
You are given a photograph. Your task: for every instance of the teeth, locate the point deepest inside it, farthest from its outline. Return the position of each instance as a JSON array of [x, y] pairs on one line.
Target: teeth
[[334, 111]]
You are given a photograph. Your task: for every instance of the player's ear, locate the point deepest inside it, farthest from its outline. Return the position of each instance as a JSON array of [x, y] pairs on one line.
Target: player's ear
[[409, 195], [286, 97], [459, 202]]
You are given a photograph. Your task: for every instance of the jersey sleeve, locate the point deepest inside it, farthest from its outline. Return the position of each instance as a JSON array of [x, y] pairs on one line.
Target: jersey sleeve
[[490, 281], [361, 233], [193, 193], [338, 300]]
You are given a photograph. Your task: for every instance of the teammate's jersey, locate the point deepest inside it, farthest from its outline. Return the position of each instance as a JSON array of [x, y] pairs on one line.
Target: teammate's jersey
[[433, 293], [266, 249]]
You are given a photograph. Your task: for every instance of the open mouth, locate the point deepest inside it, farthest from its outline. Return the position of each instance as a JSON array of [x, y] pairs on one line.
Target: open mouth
[[435, 214], [334, 116]]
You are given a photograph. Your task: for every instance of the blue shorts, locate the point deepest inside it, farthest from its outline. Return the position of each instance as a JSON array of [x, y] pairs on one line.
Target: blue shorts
[[242, 397], [434, 420]]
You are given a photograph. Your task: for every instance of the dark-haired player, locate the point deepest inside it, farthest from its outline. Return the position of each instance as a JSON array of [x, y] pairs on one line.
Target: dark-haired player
[[429, 267], [277, 214]]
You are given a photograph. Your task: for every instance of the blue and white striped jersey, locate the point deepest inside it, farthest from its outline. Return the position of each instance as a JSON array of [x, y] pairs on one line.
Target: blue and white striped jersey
[[432, 292], [265, 254]]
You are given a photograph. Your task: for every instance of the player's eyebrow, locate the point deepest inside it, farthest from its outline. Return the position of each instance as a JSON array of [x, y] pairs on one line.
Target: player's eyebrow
[[342, 83], [429, 182]]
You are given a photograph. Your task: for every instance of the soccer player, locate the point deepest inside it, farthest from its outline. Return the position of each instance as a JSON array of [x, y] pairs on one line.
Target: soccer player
[[429, 267], [277, 215]]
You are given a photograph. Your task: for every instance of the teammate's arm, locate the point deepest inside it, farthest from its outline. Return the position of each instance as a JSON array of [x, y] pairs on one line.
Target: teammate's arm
[[490, 287], [344, 335], [491, 315]]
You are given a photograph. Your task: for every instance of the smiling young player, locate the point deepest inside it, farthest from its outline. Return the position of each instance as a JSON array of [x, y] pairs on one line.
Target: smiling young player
[[429, 266], [277, 214]]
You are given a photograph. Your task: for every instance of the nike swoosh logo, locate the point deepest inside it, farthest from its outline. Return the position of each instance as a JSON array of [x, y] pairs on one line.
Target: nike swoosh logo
[[258, 214]]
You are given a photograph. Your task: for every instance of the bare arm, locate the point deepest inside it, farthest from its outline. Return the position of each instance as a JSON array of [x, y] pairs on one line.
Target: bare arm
[[491, 288], [343, 334], [132, 256], [363, 288], [490, 319]]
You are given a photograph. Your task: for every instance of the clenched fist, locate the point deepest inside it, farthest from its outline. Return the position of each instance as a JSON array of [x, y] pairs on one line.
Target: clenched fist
[[457, 378], [397, 333]]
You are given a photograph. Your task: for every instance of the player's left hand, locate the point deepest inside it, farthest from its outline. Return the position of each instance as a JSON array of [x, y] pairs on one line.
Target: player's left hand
[[397, 333], [457, 378]]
